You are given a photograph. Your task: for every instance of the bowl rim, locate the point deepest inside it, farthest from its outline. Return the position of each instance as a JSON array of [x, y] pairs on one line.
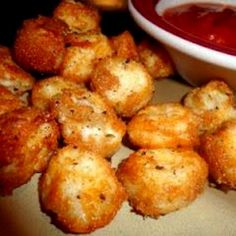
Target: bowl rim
[[145, 15]]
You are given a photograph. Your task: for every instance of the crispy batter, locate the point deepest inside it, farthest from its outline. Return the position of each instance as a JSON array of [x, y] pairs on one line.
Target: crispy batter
[[219, 150], [78, 16], [81, 189], [109, 5], [167, 125], [159, 181], [82, 53], [28, 138], [39, 44], [124, 46], [44, 91], [95, 40], [213, 102], [86, 120], [12, 76], [126, 84], [155, 58], [8, 101]]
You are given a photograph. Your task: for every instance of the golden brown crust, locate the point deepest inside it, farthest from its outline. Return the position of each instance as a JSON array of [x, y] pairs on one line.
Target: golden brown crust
[[168, 125], [109, 5], [86, 120], [81, 188], [78, 16], [28, 138], [8, 101], [124, 46], [39, 44], [14, 78], [155, 58], [159, 181], [125, 84], [218, 149], [83, 51], [45, 90], [213, 103]]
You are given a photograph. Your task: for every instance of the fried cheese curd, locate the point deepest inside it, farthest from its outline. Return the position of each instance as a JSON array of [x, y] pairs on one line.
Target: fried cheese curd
[[8, 101], [28, 137], [109, 5], [167, 125], [78, 16], [86, 120], [82, 52], [219, 149], [45, 90], [160, 181], [155, 58], [39, 44], [124, 83], [124, 46], [80, 188], [213, 102], [13, 77]]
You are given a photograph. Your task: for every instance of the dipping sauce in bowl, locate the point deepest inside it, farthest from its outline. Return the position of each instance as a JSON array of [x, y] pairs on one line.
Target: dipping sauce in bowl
[[200, 35], [213, 23]]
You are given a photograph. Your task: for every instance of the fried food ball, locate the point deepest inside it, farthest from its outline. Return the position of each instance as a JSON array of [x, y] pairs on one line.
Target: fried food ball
[[109, 5], [45, 90], [86, 120], [213, 102], [160, 181], [124, 46], [39, 44], [28, 137], [167, 125], [155, 58], [78, 16], [81, 189], [8, 101], [14, 78], [125, 84], [219, 149], [82, 53]]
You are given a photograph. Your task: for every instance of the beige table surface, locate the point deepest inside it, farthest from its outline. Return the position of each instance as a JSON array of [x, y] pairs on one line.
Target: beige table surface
[[212, 214]]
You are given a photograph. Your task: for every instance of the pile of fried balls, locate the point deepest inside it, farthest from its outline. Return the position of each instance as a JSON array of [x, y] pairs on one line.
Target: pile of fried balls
[[94, 96]]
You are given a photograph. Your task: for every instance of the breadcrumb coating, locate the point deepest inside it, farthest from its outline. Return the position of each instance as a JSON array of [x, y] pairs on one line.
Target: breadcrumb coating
[[160, 181], [40, 45], [12, 76], [109, 5], [155, 58], [213, 102], [28, 138], [125, 84], [218, 149], [87, 120], [167, 125], [45, 90], [81, 189], [8, 101], [82, 53], [124, 46], [78, 16]]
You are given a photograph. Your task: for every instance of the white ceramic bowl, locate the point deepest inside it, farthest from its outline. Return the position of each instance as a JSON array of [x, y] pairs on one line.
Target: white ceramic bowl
[[196, 63]]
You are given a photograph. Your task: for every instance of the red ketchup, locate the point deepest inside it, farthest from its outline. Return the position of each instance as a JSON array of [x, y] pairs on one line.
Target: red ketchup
[[213, 23]]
